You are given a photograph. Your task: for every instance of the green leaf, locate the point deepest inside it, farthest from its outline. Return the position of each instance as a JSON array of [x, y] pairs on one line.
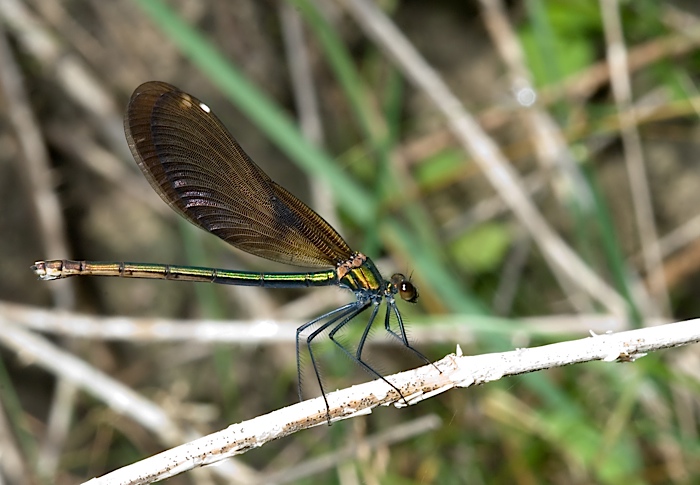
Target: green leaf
[[482, 249]]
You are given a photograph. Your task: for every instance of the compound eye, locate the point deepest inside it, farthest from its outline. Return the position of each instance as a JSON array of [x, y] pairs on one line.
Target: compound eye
[[405, 288]]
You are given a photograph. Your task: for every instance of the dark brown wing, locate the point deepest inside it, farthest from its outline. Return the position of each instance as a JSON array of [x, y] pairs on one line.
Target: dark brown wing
[[199, 169]]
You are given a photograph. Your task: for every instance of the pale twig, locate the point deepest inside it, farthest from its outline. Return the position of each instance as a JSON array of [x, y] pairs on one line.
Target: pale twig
[[486, 154], [399, 432], [634, 158], [416, 385], [121, 399], [438, 329]]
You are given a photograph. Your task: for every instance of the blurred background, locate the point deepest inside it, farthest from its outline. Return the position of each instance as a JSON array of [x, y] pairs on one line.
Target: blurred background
[[584, 117]]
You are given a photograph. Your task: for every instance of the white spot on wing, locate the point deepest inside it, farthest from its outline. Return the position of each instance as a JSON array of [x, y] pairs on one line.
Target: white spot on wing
[[205, 107]]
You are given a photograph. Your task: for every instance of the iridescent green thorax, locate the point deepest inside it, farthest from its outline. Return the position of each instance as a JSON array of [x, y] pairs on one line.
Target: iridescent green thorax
[[359, 274]]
